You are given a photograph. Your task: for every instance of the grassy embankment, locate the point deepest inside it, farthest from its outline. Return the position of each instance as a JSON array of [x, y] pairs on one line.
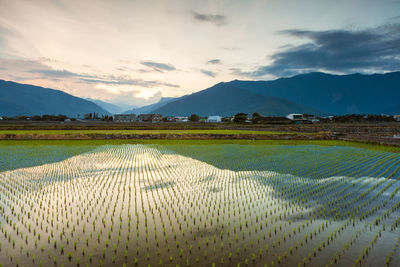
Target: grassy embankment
[[93, 143], [143, 132]]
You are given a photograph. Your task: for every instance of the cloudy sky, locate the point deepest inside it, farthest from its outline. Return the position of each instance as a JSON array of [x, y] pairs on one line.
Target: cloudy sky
[[134, 52]]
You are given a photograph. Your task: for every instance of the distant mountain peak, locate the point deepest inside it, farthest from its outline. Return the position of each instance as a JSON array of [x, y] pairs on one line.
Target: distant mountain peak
[[150, 108]]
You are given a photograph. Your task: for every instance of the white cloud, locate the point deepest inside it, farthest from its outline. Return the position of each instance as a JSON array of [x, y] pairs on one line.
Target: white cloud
[[135, 98], [110, 40]]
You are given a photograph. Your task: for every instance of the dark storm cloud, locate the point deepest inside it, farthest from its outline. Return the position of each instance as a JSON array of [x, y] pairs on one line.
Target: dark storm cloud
[[208, 73], [216, 19], [160, 67], [214, 61], [342, 51]]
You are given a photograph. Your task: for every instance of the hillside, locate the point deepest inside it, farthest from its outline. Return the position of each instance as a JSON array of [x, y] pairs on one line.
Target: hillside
[[335, 94], [110, 107], [23, 99], [317, 93], [226, 100]]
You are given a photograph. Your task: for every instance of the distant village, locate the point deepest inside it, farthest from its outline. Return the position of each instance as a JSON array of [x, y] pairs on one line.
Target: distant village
[[160, 118], [293, 118], [253, 118]]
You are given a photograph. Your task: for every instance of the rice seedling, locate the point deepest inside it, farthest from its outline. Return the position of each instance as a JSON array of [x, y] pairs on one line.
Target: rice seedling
[[199, 204]]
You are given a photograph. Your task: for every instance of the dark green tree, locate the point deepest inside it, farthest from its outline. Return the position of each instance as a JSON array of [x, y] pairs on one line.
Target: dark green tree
[[194, 118], [240, 117]]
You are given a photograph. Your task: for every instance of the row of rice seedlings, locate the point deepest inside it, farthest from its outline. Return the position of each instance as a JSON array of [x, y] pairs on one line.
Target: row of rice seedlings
[[125, 204]]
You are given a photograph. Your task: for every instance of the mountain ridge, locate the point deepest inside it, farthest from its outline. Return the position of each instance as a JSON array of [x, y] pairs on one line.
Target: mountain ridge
[[226, 100], [316, 92], [150, 108], [334, 94], [24, 99], [110, 107], [321, 93]]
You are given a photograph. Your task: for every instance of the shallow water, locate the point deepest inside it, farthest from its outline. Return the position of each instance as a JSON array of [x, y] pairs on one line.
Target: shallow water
[[201, 204]]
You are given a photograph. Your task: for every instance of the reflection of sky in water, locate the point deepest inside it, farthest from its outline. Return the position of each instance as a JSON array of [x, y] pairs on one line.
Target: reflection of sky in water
[[158, 167], [190, 181]]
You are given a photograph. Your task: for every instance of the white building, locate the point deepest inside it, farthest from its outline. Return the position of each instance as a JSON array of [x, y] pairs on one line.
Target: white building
[[396, 117], [181, 119], [214, 119], [295, 117]]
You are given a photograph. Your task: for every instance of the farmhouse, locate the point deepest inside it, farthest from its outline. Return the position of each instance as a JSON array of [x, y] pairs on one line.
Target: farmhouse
[[150, 117], [156, 118], [295, 117], [302, 118], [125, 117], [181, 119], [214, 119]]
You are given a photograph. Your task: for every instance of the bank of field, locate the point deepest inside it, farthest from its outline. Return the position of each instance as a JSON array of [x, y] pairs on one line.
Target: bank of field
[[148, 132], [197, 203]]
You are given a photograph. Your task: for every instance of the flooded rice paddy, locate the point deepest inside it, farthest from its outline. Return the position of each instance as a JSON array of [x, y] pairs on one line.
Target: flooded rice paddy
[[199, 205]]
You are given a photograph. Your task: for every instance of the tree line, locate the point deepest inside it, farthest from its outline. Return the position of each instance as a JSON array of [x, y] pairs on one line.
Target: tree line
[[45, 117]]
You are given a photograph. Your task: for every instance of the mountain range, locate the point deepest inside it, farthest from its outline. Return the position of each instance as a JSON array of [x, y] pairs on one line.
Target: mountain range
[[24, 99], [150, 108], [317, 93], [110, 107], [226, 100], [335, 94]]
